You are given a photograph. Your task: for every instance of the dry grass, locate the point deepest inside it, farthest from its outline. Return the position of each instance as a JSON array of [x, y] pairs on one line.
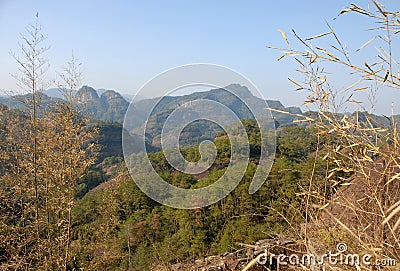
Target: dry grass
[[364, 210]]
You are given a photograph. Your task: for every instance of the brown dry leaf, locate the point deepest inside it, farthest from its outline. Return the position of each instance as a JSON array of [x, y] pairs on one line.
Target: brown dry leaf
[[284, 35], [380, 9], [319, 36], [327, 53], [366, 44], [294, 82], [360, 88]]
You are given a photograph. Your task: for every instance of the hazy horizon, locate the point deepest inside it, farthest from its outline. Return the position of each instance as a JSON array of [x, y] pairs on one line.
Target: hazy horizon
[[123, 45]]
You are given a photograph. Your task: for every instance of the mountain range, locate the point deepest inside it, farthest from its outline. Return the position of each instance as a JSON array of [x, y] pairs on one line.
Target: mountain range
[[56, 93], [111, 106], [202, 130]]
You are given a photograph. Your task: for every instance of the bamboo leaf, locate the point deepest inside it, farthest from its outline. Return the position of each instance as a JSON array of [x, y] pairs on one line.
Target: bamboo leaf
[[366, 65], [284, 35], [380, 9], [319, 36], [345, 11], [327, 53], [366, 44], [391, 215], [294, 82], [386, 76], [360, 88]]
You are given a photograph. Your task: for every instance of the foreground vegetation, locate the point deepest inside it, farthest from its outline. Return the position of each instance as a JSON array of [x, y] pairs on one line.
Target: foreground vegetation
[[132, 232], [364, 211], [67, 201]]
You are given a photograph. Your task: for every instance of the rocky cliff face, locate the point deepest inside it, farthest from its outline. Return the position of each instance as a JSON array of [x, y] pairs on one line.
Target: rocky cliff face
[[110, 106], [114, 102], [86, 95]]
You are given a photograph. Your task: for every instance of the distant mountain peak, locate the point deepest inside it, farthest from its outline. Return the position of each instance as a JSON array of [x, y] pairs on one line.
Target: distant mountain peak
[[114, 102], [86, 94], [236, 89], [110, 94]]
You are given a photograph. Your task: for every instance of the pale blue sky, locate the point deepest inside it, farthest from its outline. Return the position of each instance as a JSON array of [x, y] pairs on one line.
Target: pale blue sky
[[123, 44]]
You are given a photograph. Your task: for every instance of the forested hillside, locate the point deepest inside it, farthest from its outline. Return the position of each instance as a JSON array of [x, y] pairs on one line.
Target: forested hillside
[[118, 227], [77, 169]]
